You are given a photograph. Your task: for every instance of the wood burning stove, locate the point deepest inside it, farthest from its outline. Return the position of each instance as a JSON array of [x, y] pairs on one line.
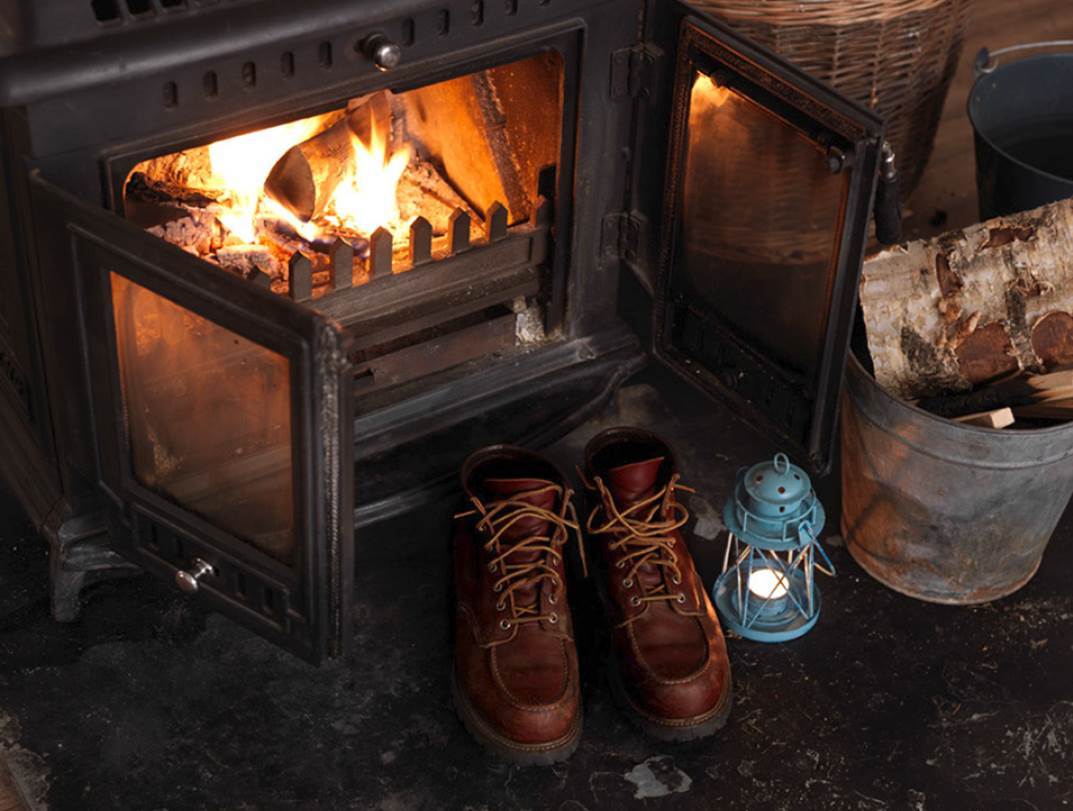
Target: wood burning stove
[[271, 271]]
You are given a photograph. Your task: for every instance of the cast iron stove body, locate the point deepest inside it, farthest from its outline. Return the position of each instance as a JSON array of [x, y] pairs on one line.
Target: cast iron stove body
[[229, 425]]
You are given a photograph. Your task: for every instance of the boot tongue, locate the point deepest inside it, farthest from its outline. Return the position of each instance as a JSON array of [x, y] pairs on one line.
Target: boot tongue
[[630, 484], [506, 488], [634, 482], [524, 527]]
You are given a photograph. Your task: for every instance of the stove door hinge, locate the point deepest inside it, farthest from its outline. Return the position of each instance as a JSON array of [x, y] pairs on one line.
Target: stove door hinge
[[632, 72], [621, 236]]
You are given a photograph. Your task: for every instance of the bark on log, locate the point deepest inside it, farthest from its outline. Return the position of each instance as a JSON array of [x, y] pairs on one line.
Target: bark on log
[[148, 202], [305, 177], [246, 260], [973, 305], [198, 233]]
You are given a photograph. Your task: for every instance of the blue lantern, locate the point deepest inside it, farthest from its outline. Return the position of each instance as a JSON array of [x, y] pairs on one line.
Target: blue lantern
[[767, 591]]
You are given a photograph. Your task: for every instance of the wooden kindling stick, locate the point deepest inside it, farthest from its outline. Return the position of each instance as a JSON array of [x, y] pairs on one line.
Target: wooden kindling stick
[[998, 418]]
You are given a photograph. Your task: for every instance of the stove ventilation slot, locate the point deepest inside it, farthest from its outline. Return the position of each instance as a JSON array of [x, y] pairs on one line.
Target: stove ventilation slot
[[111, 11]]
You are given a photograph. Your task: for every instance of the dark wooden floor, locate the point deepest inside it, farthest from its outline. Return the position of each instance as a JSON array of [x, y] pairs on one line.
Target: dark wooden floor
[[949, 184]]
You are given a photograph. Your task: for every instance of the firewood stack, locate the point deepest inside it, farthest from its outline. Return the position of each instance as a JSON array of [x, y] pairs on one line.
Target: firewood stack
[[977, 325]]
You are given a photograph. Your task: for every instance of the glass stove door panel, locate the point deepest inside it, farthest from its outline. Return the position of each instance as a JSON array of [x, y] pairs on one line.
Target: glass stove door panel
[[761, 215], [208, 418], [769, 179], [223, 425]]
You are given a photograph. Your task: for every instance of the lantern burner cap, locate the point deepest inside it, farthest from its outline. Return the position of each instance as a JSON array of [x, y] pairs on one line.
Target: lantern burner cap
[[775, 484], [774, 506]]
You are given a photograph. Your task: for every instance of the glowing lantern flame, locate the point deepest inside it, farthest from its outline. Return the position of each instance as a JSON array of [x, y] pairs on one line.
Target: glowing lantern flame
[[367, 198], [241, 164]]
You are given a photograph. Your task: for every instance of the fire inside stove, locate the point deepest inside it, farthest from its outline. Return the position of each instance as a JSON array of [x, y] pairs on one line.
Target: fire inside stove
[[418, 221], [379, 186]]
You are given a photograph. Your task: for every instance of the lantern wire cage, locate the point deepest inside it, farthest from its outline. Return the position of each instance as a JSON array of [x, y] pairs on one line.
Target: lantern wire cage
[[786, 603], [767, 590]]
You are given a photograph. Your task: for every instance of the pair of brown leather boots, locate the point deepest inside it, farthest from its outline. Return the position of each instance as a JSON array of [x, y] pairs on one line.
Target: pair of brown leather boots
[[515, 680]]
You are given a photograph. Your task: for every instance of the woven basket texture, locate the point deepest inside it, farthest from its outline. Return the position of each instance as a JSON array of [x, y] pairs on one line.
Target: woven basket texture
[[895, 56]]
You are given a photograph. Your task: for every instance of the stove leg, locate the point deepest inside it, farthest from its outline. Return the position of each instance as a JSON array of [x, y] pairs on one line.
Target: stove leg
[[79, 556]]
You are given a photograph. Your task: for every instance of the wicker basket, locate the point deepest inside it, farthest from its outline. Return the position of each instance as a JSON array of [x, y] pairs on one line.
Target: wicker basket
[[895, 56]]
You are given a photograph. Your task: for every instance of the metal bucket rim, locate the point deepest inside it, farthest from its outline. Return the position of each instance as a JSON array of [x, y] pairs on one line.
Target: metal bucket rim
[[987, 139], [854, 363]]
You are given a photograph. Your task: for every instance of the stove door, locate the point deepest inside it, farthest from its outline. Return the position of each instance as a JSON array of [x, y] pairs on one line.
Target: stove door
[[223, 424], [765, 201]]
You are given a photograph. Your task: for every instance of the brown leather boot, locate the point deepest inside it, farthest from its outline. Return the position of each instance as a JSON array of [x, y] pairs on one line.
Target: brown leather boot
[[669, 667], [515, 682]]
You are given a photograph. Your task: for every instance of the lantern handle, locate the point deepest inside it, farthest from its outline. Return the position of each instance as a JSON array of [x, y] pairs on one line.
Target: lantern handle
[[784, 460]]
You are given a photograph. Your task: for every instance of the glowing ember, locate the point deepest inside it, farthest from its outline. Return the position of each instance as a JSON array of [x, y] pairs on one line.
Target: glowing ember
[[241, 164], [368, 197]]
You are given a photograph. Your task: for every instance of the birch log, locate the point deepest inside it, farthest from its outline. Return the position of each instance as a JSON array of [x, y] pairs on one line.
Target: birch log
[[970, 306]]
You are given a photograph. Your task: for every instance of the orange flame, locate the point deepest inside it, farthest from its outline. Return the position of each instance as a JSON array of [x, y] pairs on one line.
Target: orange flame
[[368, 197], [241, 164]]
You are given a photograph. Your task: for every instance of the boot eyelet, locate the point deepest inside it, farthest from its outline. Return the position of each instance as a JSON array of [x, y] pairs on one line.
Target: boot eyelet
[[627, 583], [676, 579], [504, 624], [498, 587], [552, 599], [635, 601], [681, 597], [620, 565], [553, 618], [491, 567], [501, 606]]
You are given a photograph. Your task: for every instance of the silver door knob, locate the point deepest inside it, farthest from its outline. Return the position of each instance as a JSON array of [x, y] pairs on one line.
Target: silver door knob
[[384, 53], [187, 580]]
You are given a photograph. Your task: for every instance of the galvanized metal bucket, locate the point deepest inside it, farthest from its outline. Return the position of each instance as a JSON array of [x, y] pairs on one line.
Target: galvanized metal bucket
[[941, 511], [1022, 116]]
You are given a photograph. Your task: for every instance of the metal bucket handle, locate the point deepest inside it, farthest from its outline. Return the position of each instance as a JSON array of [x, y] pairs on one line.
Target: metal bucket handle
[[986, 61]]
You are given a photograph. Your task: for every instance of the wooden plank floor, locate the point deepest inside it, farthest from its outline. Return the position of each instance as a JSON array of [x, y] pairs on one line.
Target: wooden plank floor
[[949, 182]]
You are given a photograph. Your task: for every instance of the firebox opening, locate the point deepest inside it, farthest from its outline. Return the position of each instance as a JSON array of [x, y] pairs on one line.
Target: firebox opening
[[329, 207]]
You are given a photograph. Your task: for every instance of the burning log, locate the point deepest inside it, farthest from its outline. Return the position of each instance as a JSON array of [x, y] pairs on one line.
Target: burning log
[[199, 232], [973, 305], [282, 235], [151, 203], [247, 260], [304, 179]]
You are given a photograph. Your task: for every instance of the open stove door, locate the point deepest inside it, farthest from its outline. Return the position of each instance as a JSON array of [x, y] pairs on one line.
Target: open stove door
[[223, 424], [764, 208]]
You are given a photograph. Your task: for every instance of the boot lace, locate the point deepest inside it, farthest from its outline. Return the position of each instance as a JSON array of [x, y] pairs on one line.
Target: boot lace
[[644, 530], [497, 517]]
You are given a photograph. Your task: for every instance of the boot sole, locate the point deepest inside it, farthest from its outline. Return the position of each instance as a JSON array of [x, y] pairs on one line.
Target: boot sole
[[669, 729], [662, 729], [522, 754]]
